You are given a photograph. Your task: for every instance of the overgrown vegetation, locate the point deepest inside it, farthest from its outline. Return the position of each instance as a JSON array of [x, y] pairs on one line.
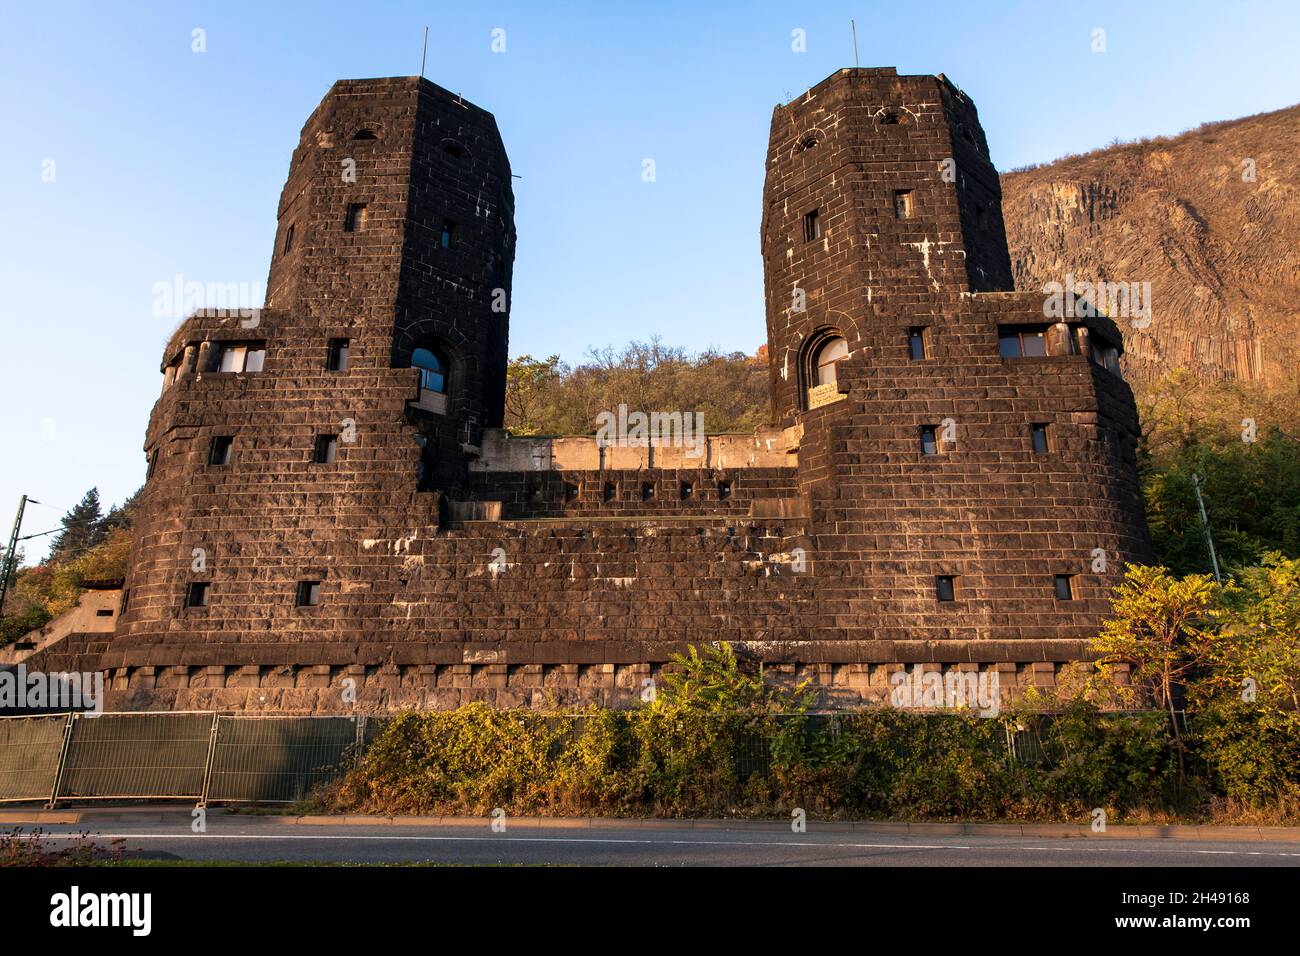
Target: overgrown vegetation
[[720, 741], [92, 546]]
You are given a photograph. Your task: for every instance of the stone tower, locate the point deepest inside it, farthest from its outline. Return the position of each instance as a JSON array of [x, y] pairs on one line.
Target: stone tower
[[285, 438], [953, 439]]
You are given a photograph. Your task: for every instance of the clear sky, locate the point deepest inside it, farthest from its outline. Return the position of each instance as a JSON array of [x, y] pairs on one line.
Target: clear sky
[[169, 161]]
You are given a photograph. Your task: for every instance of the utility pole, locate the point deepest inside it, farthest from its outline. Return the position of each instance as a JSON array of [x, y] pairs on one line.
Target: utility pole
[[1205, 526], [11, 556]]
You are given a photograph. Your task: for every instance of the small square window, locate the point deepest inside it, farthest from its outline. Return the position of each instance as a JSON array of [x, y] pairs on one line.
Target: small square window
[[570, 491], [354, 220], [812, 226], [1038, 436], [609, 492], [685, 490], [196, 595], [219, 452], [336, 360], [326, 449], [647, 490], [917, 344], [929, 439], [902, 204], [945, 587], [1064, 587], [724, 490], [448, 233], [308, 593]]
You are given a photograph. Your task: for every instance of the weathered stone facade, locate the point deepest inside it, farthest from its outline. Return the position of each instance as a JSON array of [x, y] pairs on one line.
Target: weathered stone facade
[[457, 563]]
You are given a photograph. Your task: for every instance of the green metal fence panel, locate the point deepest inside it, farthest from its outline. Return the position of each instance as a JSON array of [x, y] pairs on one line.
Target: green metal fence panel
[[278, 760], [29, 756], [136, 755]]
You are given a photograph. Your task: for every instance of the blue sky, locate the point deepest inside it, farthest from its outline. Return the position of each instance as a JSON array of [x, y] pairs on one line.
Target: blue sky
[[169, 161]]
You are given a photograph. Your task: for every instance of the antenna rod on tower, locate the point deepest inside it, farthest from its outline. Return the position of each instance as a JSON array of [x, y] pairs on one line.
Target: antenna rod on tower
[[854, 27], [424, 52]]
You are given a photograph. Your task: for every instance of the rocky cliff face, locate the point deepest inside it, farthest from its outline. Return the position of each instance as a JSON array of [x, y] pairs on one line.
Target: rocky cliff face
[[1210, 218]]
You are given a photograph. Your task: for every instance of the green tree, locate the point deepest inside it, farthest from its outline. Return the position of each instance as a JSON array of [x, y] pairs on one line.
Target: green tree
[[83, 528], [1158, 628], [529, 384]]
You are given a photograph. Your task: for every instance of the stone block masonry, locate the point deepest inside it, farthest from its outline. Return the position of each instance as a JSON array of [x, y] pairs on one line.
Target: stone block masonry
[[336, 521]]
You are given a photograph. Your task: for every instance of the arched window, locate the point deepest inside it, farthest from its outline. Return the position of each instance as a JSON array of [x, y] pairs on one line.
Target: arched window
[[364, 134], [433, 370], [827, 354]]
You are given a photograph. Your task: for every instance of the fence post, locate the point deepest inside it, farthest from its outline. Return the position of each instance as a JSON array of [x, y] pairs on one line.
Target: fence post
[[63, 756], [360, 739], [207, 767]]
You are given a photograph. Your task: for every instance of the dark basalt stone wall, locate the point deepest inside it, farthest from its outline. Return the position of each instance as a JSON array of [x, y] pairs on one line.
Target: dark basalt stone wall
[[456, 563]]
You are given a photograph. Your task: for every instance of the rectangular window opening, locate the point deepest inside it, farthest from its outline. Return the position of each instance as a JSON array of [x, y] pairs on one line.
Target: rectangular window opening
[[1039, 437], [354, 220], [448, 233], [724, 490], [902, 204], [918, 343], [336, 360], [196, 595], [812, 227], [238, 357], [1064, 587], [945, 587], [308, 593], [326, 449], [1022, 341], [219, 452], [929, 439], [288, 240]]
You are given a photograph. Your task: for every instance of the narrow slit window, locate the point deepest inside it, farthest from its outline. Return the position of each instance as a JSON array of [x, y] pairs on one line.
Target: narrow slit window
[[917, 343], [354, 220], [308, 593], [1064, 587], [929, 439], [448, 233], [1038, 436], [902, 204], [288, 240], [336, 360], [196, 595], [326, 450], [945, 587], [812, 226], [219, 451]]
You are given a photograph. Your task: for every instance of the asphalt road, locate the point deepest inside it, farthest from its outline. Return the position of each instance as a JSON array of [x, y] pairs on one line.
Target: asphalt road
[[253, 840]]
